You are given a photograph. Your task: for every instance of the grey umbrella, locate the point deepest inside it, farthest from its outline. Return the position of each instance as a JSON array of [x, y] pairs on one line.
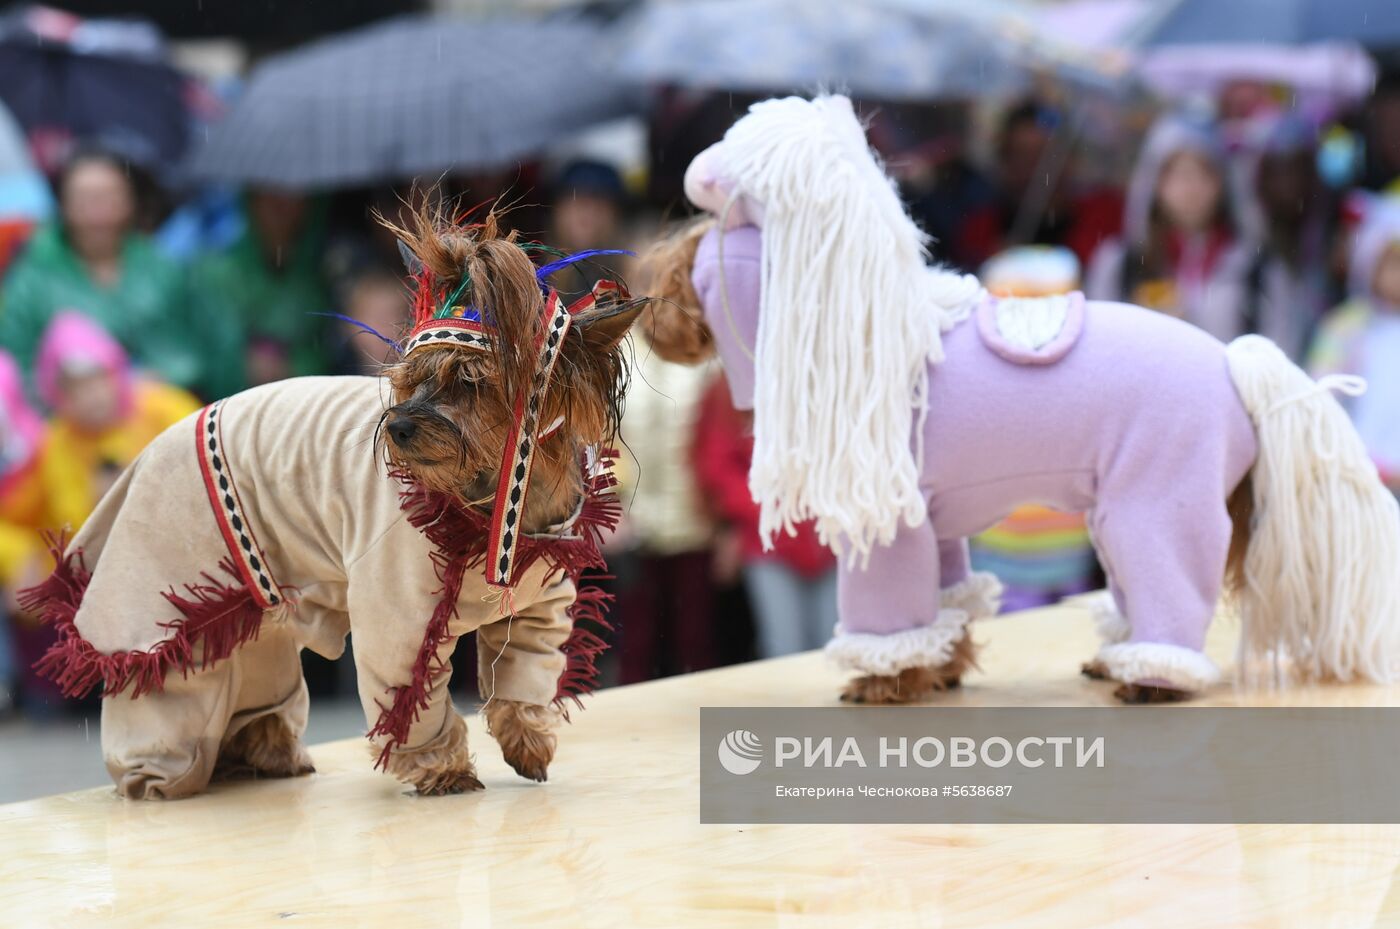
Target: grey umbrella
[[889, 50], [1277, 22], [416, 95]]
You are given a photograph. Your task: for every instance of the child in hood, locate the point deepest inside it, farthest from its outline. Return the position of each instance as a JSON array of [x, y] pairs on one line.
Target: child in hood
[[102, 414], [1180, 252], [1362, 336]]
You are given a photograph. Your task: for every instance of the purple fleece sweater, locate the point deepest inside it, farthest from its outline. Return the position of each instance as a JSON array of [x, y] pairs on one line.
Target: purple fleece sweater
[[1138, 424]]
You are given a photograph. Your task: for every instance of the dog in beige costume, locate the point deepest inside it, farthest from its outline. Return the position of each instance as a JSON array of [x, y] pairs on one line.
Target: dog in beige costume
[[392, 507]]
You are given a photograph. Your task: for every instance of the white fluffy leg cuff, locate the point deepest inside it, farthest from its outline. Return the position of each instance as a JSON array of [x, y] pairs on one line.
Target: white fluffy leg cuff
[[1112, 625], [978, 595], [922, 646], [1137, 662]]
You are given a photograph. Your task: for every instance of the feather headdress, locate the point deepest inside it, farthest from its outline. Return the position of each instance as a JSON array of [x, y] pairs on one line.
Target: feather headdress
[[469, 294]]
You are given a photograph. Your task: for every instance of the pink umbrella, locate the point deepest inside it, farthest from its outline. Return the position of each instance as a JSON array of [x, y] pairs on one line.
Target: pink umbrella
[[1321, 75]]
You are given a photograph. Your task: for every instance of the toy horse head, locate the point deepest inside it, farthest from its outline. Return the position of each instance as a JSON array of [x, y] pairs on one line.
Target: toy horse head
[[851, 314], [501, 386]]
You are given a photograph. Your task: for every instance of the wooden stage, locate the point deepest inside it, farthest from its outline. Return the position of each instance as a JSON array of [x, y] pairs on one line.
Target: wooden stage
[[613, 840]]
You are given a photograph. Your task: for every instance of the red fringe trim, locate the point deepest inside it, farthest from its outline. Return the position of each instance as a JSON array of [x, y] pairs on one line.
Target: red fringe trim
[[583, 647], [459, 537], [215, 618]]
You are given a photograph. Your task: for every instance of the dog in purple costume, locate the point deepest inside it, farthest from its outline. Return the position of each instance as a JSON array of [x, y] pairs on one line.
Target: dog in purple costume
[[903, 409]]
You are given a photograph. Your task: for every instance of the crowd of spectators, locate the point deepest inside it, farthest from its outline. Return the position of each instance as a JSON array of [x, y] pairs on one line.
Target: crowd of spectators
[[118, 318]]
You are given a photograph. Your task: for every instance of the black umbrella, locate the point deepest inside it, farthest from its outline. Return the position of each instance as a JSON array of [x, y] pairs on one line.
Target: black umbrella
[[417, 95], [68, 80]]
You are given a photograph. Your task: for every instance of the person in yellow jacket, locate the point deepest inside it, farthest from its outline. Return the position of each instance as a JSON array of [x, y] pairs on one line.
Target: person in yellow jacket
[[103, 413]]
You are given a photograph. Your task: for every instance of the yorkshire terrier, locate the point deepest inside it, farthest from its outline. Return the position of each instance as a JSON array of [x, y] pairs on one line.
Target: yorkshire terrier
[[478, 508], [451, 418]]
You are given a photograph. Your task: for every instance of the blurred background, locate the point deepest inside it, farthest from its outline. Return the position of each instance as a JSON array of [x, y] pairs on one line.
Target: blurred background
[[186, 193]]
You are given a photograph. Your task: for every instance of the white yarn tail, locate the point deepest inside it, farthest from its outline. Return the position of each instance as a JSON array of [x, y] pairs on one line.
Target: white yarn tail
[[1321, 590]]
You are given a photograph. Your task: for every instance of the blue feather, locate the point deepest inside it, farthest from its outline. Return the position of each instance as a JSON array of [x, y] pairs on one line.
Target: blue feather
[[363, 327], [545, 271]]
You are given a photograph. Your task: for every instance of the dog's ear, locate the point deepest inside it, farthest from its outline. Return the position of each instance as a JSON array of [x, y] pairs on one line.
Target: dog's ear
[[411, 262], [677, 333], [603, 331], [674, 321]]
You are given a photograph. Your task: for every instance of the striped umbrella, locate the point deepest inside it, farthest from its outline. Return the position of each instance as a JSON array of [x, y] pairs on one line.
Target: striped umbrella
[[68, 80], [416, 95]]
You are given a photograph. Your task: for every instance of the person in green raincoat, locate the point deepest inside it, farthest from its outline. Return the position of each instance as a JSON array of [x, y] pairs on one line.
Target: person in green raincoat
[[94, 261], [260, 296]]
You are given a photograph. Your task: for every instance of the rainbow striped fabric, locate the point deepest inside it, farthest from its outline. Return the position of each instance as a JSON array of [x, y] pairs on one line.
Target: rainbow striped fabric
[[1036, 548]]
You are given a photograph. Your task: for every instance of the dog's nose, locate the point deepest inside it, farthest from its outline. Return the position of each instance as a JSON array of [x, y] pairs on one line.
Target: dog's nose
[[401, 430]]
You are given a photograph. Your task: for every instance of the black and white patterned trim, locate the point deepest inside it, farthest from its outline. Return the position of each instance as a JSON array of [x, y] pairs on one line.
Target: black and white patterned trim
[[228, 509], [520, 451], [457, 332]]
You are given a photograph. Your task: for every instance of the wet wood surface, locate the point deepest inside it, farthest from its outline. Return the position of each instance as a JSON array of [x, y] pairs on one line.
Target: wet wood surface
[[614, 839]]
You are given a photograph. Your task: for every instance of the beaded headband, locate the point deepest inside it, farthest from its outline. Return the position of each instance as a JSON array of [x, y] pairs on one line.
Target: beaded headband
[[517, 463]]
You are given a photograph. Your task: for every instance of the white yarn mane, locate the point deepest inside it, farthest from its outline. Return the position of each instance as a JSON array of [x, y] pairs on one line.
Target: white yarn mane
[[850, 318]]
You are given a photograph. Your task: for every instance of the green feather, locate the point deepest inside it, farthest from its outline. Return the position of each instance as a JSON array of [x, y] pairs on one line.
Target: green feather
[[541, 247], [453, 299]]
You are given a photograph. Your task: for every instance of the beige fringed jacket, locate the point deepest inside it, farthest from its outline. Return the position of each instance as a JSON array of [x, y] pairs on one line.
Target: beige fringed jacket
[[262, 524]]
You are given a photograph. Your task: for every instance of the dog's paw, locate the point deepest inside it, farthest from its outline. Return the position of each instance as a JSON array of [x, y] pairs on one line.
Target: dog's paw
[[914, 684], [532, 768], [1095, 670], [908, 686], [441, 766], [266, 747], [872, 688], [1149, 693], [445, 783], [289, 759], [525, 733]]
